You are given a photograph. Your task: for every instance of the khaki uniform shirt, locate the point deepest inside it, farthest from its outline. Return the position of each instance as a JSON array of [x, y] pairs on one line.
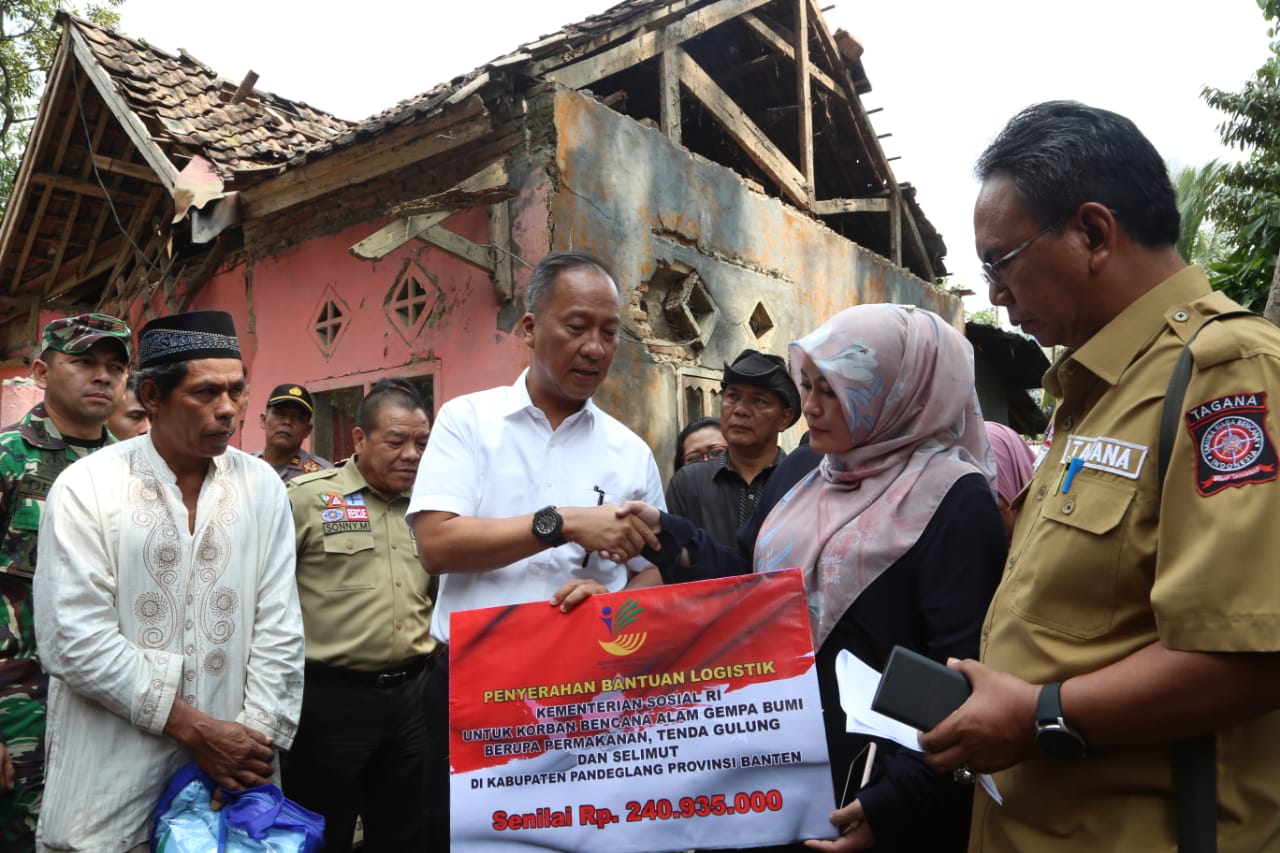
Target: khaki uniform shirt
[[365, 598], [1107, 568]]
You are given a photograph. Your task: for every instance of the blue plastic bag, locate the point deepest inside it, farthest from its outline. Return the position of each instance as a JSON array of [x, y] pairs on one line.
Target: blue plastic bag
[[257, 820]]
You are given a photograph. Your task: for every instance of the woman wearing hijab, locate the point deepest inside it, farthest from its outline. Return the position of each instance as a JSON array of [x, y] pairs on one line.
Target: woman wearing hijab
[[897, 531], [1014, 467]]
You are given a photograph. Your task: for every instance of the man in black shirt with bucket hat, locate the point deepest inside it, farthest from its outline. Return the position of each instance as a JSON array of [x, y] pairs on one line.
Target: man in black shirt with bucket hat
[[758, 401]]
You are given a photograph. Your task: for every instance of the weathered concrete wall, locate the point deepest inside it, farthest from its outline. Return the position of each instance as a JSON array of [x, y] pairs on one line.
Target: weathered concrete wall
[[627, 193]]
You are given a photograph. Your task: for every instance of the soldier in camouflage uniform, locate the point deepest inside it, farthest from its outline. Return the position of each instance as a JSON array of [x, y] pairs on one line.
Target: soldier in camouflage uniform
[[82, 368]]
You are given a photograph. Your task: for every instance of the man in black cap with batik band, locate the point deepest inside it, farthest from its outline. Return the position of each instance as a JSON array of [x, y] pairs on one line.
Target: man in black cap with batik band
[[81, 368], [165, 605], [287, 422], [758, 401]]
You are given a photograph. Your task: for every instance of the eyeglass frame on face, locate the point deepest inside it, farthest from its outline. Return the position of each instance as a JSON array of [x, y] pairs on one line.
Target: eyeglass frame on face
[[703, 455], [991, 269]]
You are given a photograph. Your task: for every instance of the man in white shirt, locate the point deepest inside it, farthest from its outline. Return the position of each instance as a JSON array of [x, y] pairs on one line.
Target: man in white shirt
[[166, 610], [516, 495]]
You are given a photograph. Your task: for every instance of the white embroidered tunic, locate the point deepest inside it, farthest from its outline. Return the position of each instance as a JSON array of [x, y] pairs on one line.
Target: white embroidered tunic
[[134, 612]]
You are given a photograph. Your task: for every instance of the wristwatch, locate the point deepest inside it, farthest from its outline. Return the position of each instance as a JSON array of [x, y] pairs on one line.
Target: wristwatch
[[548, 526], [1053, 735]]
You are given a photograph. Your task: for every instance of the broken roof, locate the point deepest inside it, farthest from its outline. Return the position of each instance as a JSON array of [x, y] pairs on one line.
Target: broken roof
[[188, 109], [87, 223]]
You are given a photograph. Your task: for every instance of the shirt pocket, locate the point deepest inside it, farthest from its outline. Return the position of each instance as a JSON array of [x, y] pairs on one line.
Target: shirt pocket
[[33, 488], [1069, 574], [348, 560]]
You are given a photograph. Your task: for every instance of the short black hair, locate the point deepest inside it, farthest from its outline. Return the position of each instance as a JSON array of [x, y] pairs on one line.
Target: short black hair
[[1062, 154], [543, 281], [387, 392], [700, 423], [165, 376]]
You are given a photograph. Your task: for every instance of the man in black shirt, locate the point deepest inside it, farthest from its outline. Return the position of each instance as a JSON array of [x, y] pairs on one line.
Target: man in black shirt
[[758, 402]]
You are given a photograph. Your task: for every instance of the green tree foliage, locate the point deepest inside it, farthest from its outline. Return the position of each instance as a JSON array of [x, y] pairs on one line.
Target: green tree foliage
[[1246, 207], [1201, 241], [28, 42], [986, 316]]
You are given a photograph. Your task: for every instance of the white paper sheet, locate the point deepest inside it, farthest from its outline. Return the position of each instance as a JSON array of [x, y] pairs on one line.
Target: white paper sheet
[[858, 683]]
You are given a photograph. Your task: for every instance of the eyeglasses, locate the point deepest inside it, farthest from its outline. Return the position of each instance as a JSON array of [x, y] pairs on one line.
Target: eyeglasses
[[991, 269], [703, 455]]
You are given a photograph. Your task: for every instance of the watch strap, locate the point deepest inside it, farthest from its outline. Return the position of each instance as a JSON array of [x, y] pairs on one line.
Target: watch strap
[[1049, 705]]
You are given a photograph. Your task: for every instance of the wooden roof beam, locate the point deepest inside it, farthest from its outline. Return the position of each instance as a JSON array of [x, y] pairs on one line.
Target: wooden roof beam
[[453, 129], [86, 167], [35, 142], [784, 47], [867, 135], [647, 20], [101, 260], [833, 206], [133, 126], [79, 187], [390, 237], [645, 47], [803, 98], [122, 167], [669, 94], [753, 141]]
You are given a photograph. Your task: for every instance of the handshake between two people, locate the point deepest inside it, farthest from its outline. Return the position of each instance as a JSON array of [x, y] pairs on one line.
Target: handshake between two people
[[616, 533]]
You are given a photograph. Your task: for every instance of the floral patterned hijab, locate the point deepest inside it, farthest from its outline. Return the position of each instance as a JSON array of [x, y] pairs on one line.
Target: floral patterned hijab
[[904, 379]]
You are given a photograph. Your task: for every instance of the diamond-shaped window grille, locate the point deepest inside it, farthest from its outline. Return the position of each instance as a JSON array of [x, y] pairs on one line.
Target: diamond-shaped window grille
[[679, 307], [414, 297], [330, 320], [760, 321]]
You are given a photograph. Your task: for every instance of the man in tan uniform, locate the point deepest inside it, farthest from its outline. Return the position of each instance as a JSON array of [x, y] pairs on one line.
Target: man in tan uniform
[[366, 609], [1128, 618]]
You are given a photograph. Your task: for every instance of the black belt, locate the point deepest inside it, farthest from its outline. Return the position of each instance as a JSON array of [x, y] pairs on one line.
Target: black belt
[[390, 678]]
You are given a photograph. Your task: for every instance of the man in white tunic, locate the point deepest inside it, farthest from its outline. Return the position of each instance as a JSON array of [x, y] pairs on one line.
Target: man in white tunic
[[166, 611]]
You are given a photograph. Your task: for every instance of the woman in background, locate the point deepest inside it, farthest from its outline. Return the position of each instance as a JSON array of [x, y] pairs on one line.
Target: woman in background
[[699, 440], [1014, 467]]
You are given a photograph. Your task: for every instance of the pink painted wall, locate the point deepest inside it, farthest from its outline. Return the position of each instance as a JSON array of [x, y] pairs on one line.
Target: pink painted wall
[[459, 343]]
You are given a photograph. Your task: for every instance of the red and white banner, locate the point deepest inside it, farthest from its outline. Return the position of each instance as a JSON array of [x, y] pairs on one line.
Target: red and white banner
[[652, 719]]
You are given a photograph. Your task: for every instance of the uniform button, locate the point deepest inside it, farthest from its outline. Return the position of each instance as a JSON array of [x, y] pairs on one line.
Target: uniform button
[[1041, 493], [1068, 507], [1067, 422], [350, 545], [397, 583], [397, 626], [394, 547], [1181, 316]]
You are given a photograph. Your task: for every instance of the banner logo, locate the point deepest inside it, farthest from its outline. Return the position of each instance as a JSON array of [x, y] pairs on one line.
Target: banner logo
[[622, 644]]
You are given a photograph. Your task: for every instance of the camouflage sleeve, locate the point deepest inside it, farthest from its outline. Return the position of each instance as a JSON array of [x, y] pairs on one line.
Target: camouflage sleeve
[[12, 467]]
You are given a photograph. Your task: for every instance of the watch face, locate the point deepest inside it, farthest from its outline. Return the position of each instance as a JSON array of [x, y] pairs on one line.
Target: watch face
[[544, 524], [1060, 741]]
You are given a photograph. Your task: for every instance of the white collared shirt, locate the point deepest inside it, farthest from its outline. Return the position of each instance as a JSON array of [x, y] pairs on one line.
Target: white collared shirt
[[493, 454]]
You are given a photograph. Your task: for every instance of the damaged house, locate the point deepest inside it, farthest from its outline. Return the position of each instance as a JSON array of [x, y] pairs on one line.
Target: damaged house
[[717, 152]]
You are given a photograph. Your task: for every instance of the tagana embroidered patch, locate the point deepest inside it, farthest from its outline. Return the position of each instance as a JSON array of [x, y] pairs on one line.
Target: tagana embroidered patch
[[1232, 445]]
